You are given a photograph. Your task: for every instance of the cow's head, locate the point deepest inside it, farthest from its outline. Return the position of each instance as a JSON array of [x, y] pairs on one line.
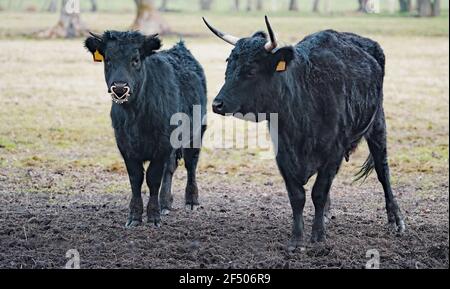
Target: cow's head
[[252, 65], [123, 54]]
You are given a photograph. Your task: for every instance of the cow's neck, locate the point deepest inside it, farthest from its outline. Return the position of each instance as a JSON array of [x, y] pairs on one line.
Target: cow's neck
[[287, 98]]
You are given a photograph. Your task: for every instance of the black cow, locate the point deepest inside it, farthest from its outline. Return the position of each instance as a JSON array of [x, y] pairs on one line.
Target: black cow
[[328, 93], [148, 88]]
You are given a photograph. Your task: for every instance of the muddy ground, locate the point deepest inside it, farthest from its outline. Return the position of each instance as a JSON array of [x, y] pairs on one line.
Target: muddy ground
[[237, 226], [63, 185]]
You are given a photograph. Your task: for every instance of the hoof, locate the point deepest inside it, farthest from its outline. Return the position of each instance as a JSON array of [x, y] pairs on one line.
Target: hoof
[[318, 237], [165, 212], [155, 222], [398, 228], [294, 243], [133, 224], [328, 218], [191, 208]]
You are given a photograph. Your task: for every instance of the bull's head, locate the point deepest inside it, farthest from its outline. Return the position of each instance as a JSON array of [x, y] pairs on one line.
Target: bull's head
[[123, 54], [252, 66]]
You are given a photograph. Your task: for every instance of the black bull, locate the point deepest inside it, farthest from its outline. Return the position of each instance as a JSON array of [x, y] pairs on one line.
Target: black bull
[[148, 88], [328, 93]]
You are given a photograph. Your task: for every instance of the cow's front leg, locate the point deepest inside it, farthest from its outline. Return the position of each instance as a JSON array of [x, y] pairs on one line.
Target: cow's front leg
[[297, 198], [136, 174], [154, 178], [320, 196], [296, 194]]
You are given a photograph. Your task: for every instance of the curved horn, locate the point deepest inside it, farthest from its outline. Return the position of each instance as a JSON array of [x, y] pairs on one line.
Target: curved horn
[[272, 43], [225, 37], [97, 36]]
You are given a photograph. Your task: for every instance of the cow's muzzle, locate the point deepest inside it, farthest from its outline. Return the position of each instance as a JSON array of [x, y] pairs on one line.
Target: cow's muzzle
[[120, 92]]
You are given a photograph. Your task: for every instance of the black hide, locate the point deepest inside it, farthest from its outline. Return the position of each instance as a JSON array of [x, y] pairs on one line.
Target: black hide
[[327, 100], [161, 84]]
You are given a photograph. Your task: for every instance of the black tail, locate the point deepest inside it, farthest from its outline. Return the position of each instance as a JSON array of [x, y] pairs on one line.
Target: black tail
[[366, 169]]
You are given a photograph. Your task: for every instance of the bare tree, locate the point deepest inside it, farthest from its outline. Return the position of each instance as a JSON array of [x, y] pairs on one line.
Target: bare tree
[[327, 6], [293, 5], [69, 24], [236, 5], [205, 5], [164, 4], [148, 20], [249, 5], [259, 5], [94, 6], [50, 6], [427, 8], [405, 5], [436, 8], [363, 6], [316, 6]]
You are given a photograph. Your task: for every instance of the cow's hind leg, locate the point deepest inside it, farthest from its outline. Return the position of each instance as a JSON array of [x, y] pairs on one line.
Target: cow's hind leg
[[321, 198], [165, 195], [191, 157], [136, 174], [376, 140], [154, 177]]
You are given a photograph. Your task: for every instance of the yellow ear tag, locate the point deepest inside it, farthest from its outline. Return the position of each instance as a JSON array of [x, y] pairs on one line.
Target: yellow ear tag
[[281, 66], [97, 56]]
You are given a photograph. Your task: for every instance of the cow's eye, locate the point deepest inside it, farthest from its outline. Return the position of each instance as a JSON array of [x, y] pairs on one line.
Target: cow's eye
[[252, 72], [135, 62]]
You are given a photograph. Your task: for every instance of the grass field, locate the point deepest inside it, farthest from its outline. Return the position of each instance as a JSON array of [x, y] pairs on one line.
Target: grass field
[[57, 153]]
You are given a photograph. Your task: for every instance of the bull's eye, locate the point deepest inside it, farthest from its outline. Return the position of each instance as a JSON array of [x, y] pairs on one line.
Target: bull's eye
[[135, 62], [252, 72]]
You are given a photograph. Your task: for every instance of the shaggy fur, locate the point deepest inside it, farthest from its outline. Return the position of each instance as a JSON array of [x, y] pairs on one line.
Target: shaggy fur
[[328, 99], [161, 84]]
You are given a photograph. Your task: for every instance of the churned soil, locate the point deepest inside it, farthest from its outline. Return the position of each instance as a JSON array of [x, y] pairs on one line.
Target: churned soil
[[239, 225]]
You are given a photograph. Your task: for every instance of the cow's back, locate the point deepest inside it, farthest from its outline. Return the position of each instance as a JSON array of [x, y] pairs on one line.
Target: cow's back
[[342, 77], [190, 76]]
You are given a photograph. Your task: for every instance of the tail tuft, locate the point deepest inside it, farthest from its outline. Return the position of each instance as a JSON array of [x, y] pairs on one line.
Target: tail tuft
[[366, 169]]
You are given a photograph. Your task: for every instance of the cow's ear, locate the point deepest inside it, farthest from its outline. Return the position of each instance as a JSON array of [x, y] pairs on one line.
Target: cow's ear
[[282, 58], [150, 45], [96, 47]]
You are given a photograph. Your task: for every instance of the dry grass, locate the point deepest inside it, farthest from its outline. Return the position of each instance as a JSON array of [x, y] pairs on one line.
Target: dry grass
[[55, 134], [55, 108]]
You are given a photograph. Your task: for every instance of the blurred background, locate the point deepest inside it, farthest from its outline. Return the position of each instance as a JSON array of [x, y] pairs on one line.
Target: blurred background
[[57, 147]]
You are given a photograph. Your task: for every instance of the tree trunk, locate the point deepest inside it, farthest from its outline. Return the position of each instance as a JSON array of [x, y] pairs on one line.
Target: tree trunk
[[94, 6], [436, 8], [405, 5], [148, 21], [293, 5], [205, 5], [69, 24], [259, 5], [249, 5], [327, 6], [363, 6], [316, 6], [236, 5], [164, 5], [424, 8], [51, 6]]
